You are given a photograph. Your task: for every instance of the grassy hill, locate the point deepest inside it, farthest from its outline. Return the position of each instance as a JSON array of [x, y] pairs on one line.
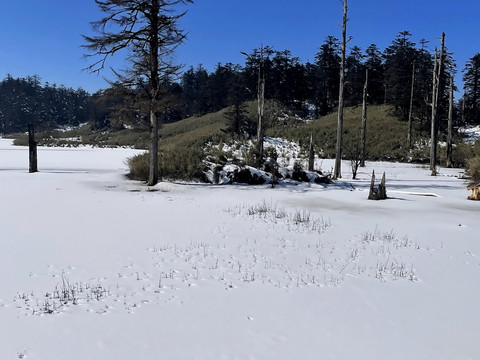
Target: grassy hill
[[386, 133], [182, 144]]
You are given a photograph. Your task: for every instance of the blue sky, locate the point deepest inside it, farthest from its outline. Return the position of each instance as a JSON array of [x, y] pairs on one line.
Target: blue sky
[[44, 37]]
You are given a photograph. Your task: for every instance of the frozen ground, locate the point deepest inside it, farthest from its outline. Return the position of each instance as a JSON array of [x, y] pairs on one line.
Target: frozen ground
[[94, 266]]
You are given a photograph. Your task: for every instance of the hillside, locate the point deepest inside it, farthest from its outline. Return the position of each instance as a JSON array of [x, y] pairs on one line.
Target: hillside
[[183, 144], [386, 132]]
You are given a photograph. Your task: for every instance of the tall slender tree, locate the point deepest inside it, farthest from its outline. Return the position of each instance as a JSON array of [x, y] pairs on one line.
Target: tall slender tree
[[261, 107], [410, 111], [148, 30], [363, 145], [437, 71], [450, 126], [339, 145]]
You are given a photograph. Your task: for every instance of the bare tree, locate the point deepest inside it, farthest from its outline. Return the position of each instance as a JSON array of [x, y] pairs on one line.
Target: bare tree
[[364, 122], [261, 106], [338, 157], [260, 56], [354, 152], [32, 150], [410, 112], [148, 30], [450, 126], [437, 70]]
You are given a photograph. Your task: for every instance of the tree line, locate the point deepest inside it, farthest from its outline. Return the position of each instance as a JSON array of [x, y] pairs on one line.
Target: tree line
[[309, 88], [26, 101], [314, 86]]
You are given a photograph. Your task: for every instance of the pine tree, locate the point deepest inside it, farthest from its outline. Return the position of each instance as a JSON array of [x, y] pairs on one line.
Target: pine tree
[[471, 78], [423, 86], [354, 77], [376, 74], [327, 61], [148, 29], [399, 57]]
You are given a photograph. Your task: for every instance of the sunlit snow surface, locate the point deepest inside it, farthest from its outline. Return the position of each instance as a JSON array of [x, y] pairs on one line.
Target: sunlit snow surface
[[95, 266], [471, 133]]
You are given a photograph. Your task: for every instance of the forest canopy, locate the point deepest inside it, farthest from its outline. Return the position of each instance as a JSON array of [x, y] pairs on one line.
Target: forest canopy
[[309, 89]]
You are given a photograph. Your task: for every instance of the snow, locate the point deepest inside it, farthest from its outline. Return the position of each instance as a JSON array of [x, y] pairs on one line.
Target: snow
[[195, 271], [471, 133]]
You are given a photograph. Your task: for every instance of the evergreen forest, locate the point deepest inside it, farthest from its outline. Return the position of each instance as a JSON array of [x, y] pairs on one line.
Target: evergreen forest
[[308, 89]]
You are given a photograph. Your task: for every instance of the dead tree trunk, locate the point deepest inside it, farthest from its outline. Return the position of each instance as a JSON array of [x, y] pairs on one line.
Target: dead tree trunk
[[363, 149], [433, 139], [377, 192], [32, 150], [437, 70], [450, 126], [410, 113], [311, 155], [338, 158], [153, 165], [261, 105]]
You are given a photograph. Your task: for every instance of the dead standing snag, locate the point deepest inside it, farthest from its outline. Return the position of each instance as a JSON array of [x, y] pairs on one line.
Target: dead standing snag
[[377, 192]]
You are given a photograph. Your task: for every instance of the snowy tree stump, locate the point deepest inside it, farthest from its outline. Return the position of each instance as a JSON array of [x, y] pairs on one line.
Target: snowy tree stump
[[475, 192], [32, 150], [377, 192]]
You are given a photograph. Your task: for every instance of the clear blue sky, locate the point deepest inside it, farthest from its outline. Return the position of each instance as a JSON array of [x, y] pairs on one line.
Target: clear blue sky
[[44, 37]]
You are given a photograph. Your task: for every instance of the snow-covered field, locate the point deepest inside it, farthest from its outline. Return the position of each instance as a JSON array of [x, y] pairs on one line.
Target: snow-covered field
[[94, 266]]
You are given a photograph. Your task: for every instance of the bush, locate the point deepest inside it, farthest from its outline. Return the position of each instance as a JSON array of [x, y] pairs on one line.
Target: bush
[[473, 164], [473, 168], [139, 167]]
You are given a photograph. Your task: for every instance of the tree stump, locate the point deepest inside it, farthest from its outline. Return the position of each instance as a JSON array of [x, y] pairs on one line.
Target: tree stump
[[377, 192], [475, 192], [32, 150]]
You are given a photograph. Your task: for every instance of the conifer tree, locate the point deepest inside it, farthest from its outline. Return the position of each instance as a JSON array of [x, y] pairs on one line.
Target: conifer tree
[[328, 61], [399, 57], [354, 77], [471, 98], [148, 29], [376, 74]]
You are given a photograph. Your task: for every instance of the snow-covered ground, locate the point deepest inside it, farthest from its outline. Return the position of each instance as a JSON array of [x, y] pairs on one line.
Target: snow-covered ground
[[471, 133], [94, 266]]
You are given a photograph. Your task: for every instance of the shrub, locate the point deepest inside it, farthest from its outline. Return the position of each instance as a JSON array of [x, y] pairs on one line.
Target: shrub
[[473, 168], [139, 167]]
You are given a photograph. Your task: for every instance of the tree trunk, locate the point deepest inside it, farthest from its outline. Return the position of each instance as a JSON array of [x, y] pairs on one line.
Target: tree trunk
[[363, 149], [433, 140], [435, 96], [475, 97], [261, 105], [450, 126], [410, 113], [32, 150], [153, 171], [311, 155], [338, 158], [154, 43]]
